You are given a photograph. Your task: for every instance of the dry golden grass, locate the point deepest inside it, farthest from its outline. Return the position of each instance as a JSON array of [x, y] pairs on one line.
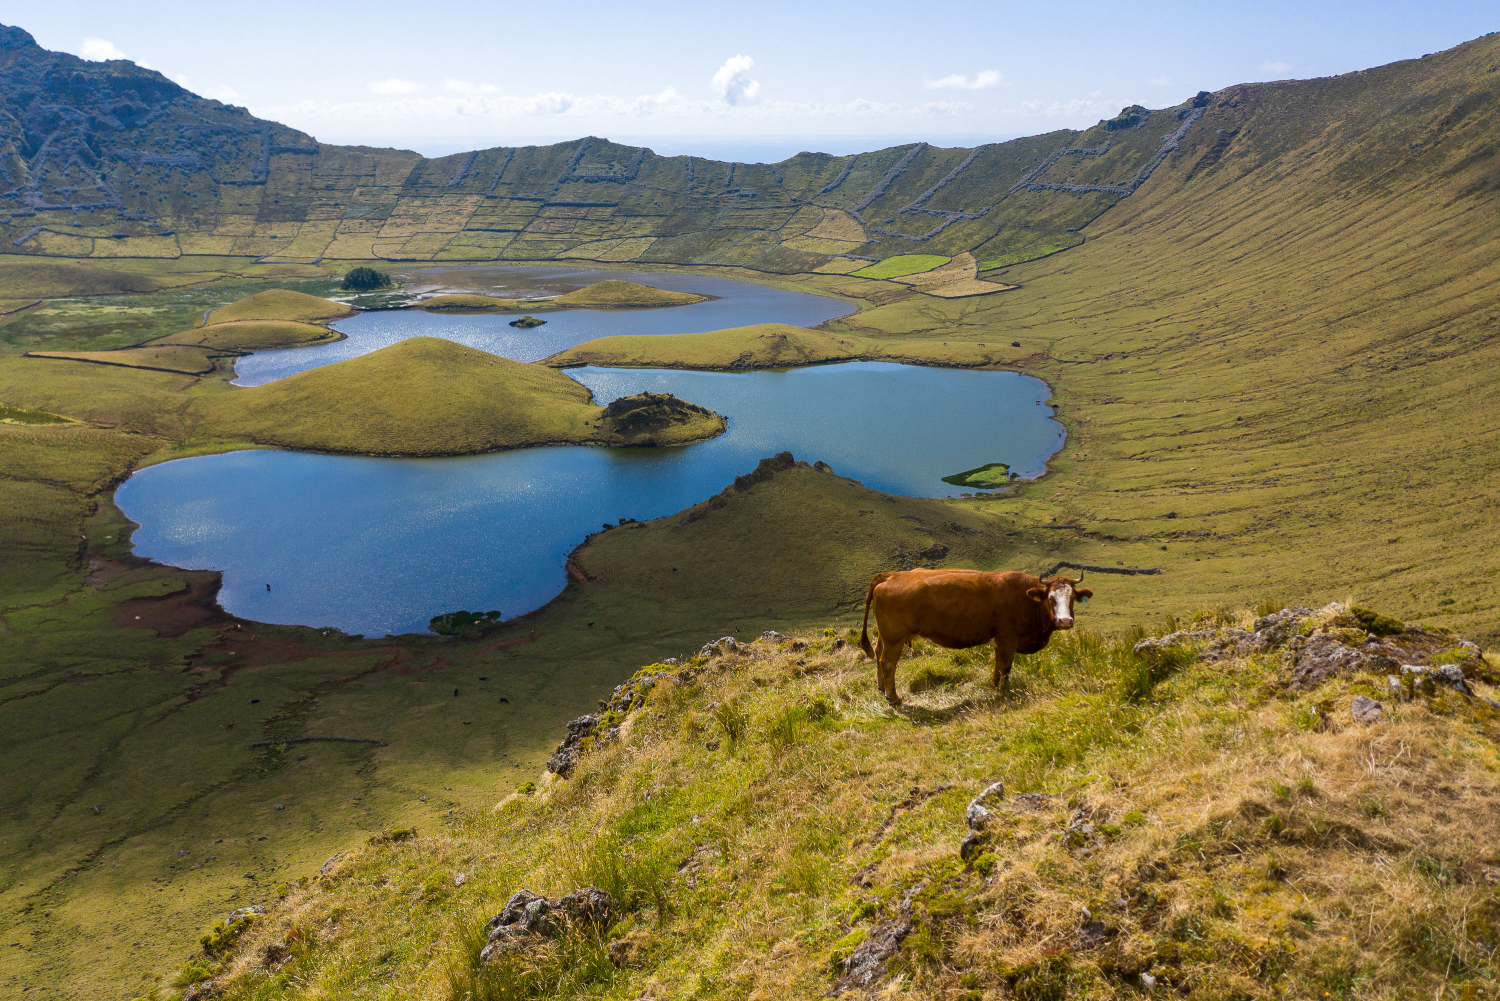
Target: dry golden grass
[[837, 224]]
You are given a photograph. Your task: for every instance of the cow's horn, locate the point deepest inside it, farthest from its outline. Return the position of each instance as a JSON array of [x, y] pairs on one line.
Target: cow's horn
[[1079, 579]]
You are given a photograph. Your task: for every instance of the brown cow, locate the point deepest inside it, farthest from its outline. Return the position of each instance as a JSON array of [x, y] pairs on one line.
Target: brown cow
[[965, 608]]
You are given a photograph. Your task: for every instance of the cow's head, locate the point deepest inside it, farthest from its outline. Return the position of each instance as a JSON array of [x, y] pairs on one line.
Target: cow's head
[[1057, 595]]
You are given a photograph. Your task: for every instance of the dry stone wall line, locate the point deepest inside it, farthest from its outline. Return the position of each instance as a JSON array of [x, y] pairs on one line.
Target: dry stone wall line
[[463, 170], [842, 175], [1169, 145], [509, 156], [886, 181], [952, 175], [309, 740], [574, 160], [729, 177]]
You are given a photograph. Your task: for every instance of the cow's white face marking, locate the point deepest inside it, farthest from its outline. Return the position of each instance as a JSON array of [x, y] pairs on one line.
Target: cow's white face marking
[[1062, 606]]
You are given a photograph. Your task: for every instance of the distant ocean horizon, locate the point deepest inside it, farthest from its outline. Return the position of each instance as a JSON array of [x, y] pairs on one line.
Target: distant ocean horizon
[[735, 149]]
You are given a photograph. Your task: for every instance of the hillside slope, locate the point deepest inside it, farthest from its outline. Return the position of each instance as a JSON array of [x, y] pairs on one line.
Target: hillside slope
[[1200, 814], [184, 175]]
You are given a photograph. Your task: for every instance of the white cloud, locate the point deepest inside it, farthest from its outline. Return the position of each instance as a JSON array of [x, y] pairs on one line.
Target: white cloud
[[1273, 66], [959, 81], [947, 108], [392, 85], [99, 49], [1160, 81], [733, 82]]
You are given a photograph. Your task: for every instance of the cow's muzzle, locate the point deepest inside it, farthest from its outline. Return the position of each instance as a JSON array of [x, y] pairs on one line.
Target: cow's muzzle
[[1065, 623]]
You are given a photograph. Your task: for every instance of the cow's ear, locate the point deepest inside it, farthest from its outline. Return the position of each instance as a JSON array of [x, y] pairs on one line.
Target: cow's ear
[[1037, 594], [1083, 593]]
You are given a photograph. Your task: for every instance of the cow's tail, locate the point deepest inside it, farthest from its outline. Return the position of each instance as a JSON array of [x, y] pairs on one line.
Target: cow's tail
[[864, 633]]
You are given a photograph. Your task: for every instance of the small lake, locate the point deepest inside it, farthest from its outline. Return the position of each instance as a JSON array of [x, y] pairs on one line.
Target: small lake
[[738, 304], [378, 546]]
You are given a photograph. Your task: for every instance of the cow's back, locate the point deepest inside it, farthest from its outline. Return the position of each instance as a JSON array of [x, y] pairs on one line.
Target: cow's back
[[954, 608]]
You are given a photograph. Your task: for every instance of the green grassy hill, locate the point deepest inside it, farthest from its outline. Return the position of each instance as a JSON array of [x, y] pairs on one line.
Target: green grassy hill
[[426, 396], [280, 304], [618, 294]]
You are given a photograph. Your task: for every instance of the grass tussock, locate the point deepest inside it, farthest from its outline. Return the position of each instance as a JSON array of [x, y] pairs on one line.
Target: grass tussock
[[1166, 820]]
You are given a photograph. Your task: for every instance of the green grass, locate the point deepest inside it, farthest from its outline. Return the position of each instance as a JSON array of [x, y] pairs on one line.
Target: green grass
[[994, 474], [902, 265], [469, 303], [280, 304], [764, 345], [424, 396], [17, 415], [620, 294], [754, 840], [252, 335]]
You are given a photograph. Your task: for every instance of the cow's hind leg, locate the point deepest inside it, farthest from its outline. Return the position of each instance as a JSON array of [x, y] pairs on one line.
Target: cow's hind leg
[[887, 654]]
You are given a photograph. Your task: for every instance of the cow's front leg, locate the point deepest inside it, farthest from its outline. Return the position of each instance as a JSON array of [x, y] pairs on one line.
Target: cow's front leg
[[1003, 659]]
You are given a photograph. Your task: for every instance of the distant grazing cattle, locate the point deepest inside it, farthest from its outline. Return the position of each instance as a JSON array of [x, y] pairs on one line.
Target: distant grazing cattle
[[965, 608]]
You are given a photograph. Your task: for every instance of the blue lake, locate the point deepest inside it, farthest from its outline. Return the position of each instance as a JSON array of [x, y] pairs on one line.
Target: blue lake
[[738, 304], [376, 546]]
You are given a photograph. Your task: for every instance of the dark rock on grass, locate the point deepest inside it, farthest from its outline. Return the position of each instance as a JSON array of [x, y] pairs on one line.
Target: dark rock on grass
[[1320, 657], [978, 814], [1367, 710], [645, 413], [566, 756], [972, 846], [529, 916], [1448, 674], [866, 964]]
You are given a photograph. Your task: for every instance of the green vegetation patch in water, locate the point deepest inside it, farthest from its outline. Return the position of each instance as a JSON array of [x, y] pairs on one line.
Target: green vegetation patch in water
[[527, 322], [461, 622], [986, 477]]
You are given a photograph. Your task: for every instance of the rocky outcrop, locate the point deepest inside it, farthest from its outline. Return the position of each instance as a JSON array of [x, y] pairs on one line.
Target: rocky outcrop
[[530, 917], [1339, 641], [649, 414]]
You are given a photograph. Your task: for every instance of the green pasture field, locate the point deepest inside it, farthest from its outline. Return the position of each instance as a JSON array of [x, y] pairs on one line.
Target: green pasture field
[[903, 265]]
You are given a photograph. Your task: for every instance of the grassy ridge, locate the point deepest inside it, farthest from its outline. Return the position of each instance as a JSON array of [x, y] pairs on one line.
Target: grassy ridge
[[423, 396], [613, 293], [280, 304], [763, 345], [763, 816]]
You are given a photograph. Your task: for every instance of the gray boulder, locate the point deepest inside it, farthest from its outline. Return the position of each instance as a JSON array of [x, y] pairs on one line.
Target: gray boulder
[[978, 813], [1367, 710]]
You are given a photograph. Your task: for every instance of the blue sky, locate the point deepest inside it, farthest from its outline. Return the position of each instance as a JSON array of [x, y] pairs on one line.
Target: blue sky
[[444, 76]]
